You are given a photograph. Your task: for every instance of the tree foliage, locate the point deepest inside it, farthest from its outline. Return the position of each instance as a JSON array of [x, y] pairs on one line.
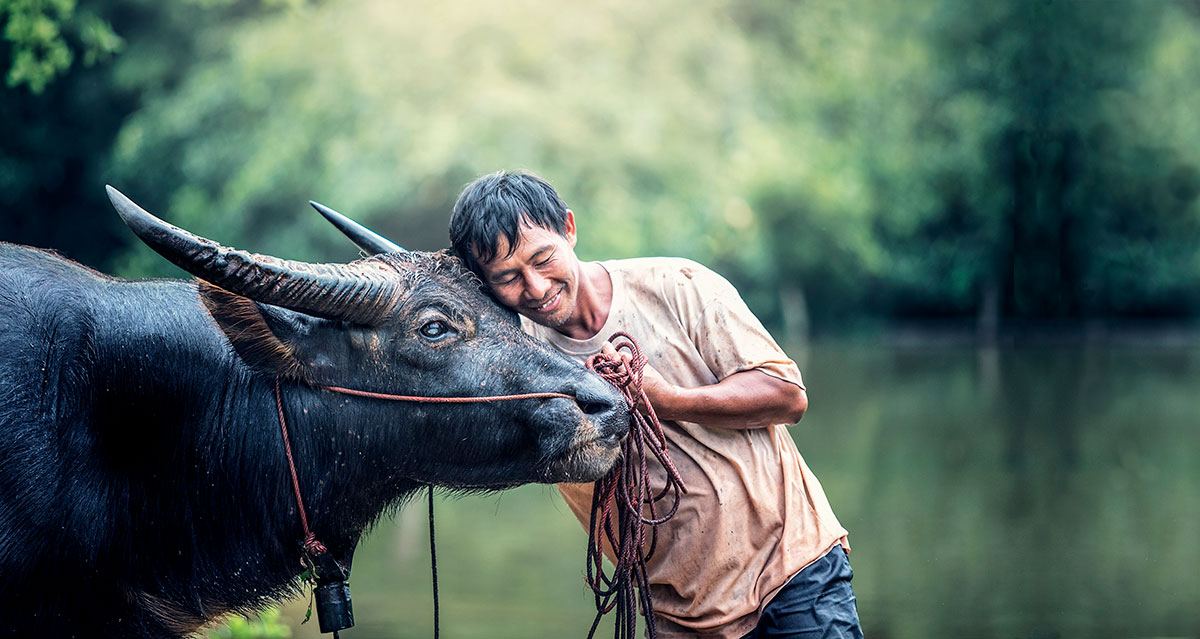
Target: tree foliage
[[1007, 161], [60, 122], [44, 35]]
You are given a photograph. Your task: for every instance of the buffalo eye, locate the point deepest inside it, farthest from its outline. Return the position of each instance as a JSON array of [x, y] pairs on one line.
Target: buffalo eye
[[435, 330]]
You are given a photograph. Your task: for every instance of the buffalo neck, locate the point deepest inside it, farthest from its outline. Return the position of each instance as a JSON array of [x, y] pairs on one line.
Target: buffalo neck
[[195, 435]]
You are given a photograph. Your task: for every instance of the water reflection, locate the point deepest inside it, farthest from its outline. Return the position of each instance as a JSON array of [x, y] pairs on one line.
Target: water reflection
[[1036, 490], [1033, 491]]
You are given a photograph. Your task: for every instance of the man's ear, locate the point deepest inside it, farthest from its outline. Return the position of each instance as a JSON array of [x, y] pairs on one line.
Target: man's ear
[[273, 340], [569, 228]]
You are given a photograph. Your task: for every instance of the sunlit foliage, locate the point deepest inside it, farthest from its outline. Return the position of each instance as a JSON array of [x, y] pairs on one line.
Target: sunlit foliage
[[837, 160]]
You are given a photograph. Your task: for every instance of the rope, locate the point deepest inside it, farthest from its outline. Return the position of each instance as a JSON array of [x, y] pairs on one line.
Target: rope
[[627, 489], [311, 545], [433, 567], [444, 400]]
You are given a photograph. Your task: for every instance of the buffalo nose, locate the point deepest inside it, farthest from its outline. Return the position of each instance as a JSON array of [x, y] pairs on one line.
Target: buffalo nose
[[605, 405]]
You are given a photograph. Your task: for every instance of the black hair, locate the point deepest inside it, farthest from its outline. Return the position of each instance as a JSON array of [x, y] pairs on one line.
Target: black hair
[[497, 204]]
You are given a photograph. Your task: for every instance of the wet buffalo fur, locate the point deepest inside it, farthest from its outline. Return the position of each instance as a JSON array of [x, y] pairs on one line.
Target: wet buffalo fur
[[143, 485]]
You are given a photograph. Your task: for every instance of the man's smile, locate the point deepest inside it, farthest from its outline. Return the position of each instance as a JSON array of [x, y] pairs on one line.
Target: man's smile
[[550, 304]]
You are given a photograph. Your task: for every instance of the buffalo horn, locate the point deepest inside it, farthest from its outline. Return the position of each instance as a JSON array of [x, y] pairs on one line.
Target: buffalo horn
[[360, 292], [366, 239]]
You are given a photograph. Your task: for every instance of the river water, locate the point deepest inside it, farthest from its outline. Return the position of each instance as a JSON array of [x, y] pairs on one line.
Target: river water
[[1044, 488]]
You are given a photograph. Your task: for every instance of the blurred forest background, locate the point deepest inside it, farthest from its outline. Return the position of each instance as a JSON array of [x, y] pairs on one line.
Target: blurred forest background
[[846, 164], [1018, 180]]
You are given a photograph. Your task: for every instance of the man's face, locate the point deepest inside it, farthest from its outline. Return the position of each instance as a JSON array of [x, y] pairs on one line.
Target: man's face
[[540, 280]]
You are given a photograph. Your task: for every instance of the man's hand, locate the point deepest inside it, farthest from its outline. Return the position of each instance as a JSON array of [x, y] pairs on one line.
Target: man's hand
[[748, 399], [657, 389]]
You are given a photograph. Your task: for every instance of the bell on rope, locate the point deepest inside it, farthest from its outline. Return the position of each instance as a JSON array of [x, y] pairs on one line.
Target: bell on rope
[[334, 611]]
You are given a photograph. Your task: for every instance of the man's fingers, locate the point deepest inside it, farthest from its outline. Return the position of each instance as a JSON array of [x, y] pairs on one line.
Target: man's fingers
[[608, 349]]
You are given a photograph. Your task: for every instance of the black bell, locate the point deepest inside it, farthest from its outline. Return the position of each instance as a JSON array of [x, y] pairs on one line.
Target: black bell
[[334, 611]]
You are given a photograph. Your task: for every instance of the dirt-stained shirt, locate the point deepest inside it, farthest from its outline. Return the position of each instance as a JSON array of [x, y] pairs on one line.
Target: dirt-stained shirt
[[754, 514]]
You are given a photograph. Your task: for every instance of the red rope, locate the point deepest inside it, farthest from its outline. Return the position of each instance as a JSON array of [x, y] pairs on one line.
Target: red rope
[[311, 545], [444, 400], [627, 488]]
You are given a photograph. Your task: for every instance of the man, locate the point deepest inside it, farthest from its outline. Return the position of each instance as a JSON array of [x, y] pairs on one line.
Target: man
[[755, 549]]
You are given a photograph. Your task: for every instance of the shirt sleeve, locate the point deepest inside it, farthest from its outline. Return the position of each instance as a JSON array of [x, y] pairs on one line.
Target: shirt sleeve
[[729, 337]]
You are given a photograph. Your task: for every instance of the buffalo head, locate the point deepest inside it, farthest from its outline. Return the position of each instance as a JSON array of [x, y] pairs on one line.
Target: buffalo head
[[407, 324]]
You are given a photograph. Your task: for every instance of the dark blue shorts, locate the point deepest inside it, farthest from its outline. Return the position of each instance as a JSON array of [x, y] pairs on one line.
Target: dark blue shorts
[[818, 603]]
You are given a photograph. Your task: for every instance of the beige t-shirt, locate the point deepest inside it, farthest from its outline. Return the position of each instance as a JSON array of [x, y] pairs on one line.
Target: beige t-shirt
[[754, 514]]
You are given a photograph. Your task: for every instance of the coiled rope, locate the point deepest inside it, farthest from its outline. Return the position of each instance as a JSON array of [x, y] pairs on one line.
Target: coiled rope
[[625, 495]]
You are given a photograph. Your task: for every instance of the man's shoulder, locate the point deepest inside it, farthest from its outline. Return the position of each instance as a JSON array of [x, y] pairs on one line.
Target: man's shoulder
[[680, 287], [659, 268]]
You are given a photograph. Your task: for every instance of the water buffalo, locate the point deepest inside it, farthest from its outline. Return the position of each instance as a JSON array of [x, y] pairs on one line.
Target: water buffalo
[[144, 488]]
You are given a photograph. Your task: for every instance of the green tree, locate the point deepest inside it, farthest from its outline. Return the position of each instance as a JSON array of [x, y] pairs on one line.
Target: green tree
[[43, 37], [1005, 160], [631, 113], [75, 73], [1008, 162]]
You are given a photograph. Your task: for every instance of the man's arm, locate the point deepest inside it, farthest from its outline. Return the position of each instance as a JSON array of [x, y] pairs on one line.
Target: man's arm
[[749, 399], [746, 399], [733, 344]]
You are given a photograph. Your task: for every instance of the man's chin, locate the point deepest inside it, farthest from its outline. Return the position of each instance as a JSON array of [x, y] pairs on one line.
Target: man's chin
[[549, 320]]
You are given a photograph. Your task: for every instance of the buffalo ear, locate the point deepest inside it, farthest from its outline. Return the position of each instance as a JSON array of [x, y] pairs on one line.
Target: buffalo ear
[[264, 336]]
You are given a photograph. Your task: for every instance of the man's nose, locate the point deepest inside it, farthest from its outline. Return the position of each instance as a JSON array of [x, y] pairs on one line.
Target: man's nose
[[536, 286]]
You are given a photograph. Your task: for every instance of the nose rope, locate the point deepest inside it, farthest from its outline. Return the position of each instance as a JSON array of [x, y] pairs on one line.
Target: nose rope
[[444, 400], [627, 489], [315, 553], [311, 545]]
